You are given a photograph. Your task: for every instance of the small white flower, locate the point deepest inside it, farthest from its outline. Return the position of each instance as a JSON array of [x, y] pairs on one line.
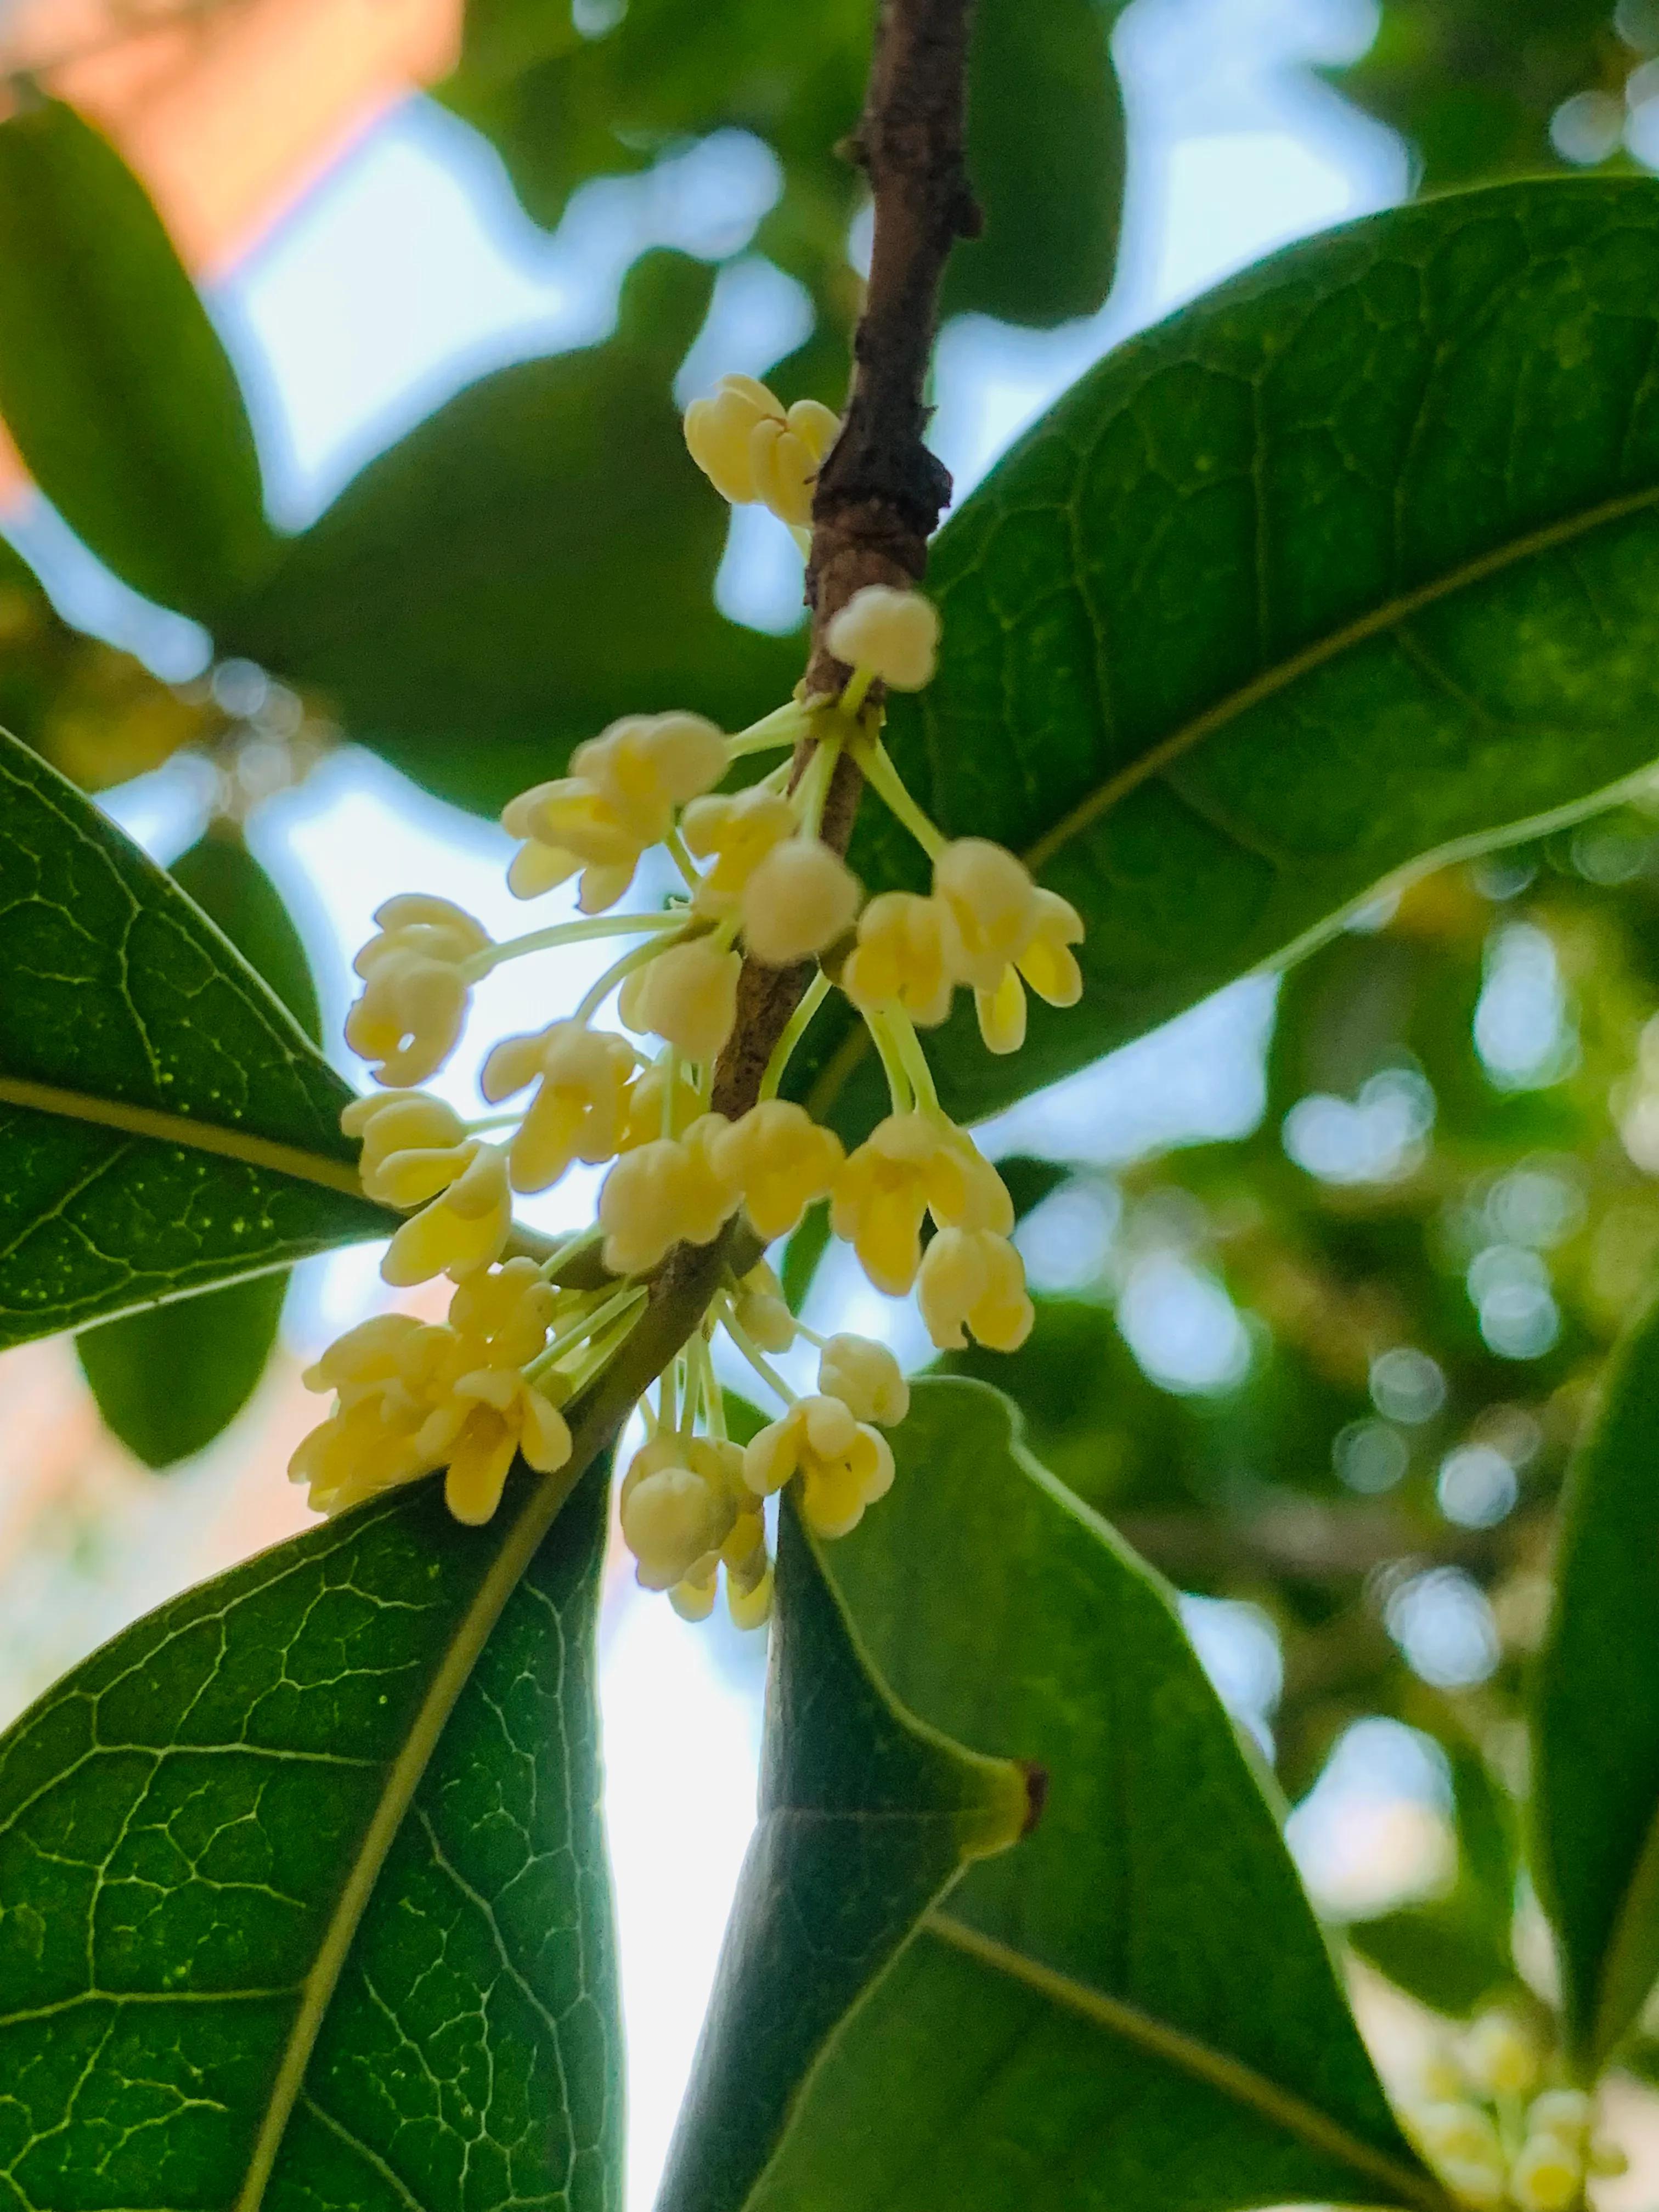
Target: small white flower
[[893, 634]]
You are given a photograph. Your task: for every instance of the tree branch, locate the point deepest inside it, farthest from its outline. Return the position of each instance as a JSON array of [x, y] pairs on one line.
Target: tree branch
[[880, 492]]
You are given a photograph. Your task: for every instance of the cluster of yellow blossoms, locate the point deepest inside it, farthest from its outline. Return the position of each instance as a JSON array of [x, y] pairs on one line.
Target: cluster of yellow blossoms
[[758, 880], [1495, 2136]]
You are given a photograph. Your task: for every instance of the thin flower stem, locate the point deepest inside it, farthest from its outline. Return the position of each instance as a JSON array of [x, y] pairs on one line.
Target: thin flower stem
[[898, 1085], [889, 785], [492, 1121], [605, 1348], [751, 1352], [903, 1031], [782, 727], [857, 692], [615, 974], [588, 1325], [682, 860], [816, 991], [565, 933], [568, 1247]]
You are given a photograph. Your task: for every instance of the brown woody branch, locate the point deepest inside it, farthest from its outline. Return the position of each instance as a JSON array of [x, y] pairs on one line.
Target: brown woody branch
[[881, 492]]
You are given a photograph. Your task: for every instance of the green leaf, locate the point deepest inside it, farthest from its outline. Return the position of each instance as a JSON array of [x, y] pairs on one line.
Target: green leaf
[[113, 382], [1596, 1714], [166, 1123], [1045, 129], [1046, 154], [1220, 2027], [305, 1901], [1352, 563], [1135, 2008], [168, 1380], [535, 559], [1473, 84], [1440, 1953], [867, 1818]]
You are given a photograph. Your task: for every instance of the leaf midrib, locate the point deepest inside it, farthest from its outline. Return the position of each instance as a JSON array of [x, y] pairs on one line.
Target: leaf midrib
[[186, 1131], [1201, 2060], [541, 1507], [1267, 684]]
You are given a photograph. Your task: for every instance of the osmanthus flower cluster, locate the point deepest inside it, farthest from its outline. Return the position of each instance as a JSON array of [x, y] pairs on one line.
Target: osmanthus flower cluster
[[757, 880], [1496, 2134]]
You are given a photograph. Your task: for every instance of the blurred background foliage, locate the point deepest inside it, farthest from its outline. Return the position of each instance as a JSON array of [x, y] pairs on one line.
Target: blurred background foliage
[[1327, 1373]]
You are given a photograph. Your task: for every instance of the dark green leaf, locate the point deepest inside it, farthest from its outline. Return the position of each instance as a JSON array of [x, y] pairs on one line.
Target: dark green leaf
[[112, 382], [1046, 151], [306, 1902], [1441, 1953], [168, 1380], [867, 1818], [801, 1255], [534, 560], [1473, 84], [166, 1123], [1135, 2008], [1353, 562], [1596, 1714]]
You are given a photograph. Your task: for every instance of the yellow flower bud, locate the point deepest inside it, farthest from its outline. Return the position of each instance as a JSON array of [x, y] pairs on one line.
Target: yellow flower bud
[[909, 1163], [502, 1416], [645, 765], [688, 994], [694, 1601], [1457, 2130], [906, 952], [784, 457], [1500, 2056], [501, 1316], [461, 1230], [1563, 2113], [717, 432], [993, 904], [782, 1160], [974, 1277], [844, 1465], [866, 1378], [414, 993], [750, 1605], [798, 901], [738, 833], [662, 1194], [1474, 2182], [412, 1145], [893, 634], [680, 1500], [763, 1313], [581, 1101], [1547, 2175], [1002, 1013], [1047, 963], [644, 1122]]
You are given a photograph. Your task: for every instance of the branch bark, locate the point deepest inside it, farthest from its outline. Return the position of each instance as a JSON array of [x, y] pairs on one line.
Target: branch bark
[[881, 492]]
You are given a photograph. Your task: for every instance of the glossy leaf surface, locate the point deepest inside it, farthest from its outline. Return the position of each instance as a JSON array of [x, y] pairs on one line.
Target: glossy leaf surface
[[306, 1904], [1351, 562], [166, 1123], [1595, 1713], [168, 1380], [867, 1818], [536, 559], [111, 379], [1133, 2008]]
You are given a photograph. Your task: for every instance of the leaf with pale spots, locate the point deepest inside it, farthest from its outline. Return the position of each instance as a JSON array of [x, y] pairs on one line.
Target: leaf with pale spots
[[306, 1904], [167, 1125]]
